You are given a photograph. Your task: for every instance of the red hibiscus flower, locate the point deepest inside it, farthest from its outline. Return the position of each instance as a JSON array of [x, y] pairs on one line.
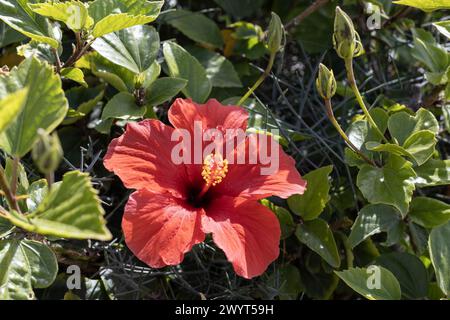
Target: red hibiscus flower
[[175, 205]]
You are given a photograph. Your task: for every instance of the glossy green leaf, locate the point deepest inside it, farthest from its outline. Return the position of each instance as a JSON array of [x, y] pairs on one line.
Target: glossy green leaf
[[10, 107], [316, 234], [285, 218], [5, 227], [163, 89], [393, 184], [119, 77], [429, 212], [44, 89], [220, 70], [42, 262], [39, 50], [421, 145], [71, 209], [74, 74], [134, 48], [122, 106], [409, 271], [374, 219], [286, 282], [19, 16], [100, 9], [183, 65], [360, 280], [37, 191], [311, 204], [439, 245], [116, 22], [433, 173], [8, 35], [25, 264], [195, 26], [425, 5], [443, 27], [73, 13], [402, 125]]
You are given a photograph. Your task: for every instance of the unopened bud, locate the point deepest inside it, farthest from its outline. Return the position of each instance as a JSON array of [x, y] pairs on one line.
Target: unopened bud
[[275, 34], [326, 83], [47, 152], [346, 40]]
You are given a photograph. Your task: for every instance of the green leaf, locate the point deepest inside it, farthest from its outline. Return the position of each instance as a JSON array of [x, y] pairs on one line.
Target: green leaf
[[82, 101], [220, 70], [163, 89], [42, 262], [443, 27], [119, 77], [100, 9], [428, 212], [316, 234], [9, 35], [409, 271], [5, 227], [439, 245], [374, 219], [433, 55], [360, 280], [71, 209], [286, 282], [287, 223], [134, 48], [401, 125], [40, 50], [123, 106], [393, 184], [10, 107], [25, 264], [74, 74], [311, 204], [73, 13], [425, 5], [116, 22], [36, 193], [19, 16], [44, 89], [421, 145], [433, 173], [182, 65], [195, 26]]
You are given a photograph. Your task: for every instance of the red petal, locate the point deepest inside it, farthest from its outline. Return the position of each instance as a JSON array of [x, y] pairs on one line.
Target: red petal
[[141, 157], [184, 112], [159, 229], [246, 180], [246, 231]]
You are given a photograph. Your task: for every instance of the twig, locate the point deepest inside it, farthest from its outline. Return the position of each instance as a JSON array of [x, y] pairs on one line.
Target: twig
[[10, 197], [308, 11]]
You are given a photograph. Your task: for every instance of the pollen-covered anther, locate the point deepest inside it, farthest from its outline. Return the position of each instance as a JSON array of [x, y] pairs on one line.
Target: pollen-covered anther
[[215, 169]]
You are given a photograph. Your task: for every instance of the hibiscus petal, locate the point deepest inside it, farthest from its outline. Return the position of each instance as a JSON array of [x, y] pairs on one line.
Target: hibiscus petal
[[184, 112], [159, 228], [141, 157], [250, 181], [246, 231]]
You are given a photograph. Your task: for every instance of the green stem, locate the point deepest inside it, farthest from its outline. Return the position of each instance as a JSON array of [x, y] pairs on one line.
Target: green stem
[[359, 98], [50, 177], [10, 197], [14, 175], [260, 79], [350, 144]]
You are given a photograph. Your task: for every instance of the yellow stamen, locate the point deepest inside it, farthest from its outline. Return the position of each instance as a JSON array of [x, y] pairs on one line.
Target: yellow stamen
[[215, 169]]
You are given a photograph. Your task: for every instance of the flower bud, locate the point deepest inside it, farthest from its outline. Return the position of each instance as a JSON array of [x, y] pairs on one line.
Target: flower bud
[[346, 40], [275, 34], [326, 83], [47, 152]]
